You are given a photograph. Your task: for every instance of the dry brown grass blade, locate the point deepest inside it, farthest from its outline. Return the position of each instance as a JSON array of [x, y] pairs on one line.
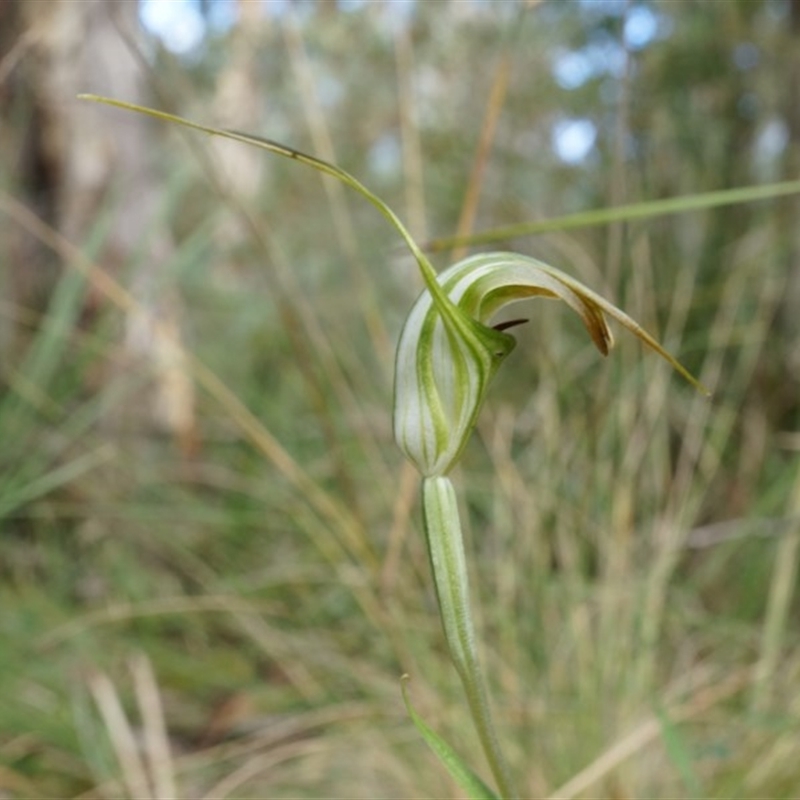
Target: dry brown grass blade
[[262, 763], [413, 169], [782, 588], [648, 732], [353, 538], [343, 221], [123, 740], [152, 608], [154, 730], [494, 106], [401, 516], [145, 759]]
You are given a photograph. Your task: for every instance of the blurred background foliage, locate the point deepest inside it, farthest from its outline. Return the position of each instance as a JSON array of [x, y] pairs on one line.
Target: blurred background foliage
[[212, 572]]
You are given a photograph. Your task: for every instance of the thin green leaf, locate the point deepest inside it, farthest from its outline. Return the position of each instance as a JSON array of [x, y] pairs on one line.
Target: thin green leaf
[[427, 270], [16, 494], [458, 324], [605, 216], [679, 754], [475, 788]]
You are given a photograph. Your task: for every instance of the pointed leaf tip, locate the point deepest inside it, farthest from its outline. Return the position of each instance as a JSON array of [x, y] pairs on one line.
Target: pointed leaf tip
[[475, 788]]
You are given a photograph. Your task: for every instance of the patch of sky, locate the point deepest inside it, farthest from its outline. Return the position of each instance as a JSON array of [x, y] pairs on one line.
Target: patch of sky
[[771, 140], [352, 5], [275, 8], [222, 15], [299, 10], [640, 27], [385, 156], [605, 8], [329, 90], [746, 56], [778, 9], [573, 139], [572, 68], [181, 25], [398, 12], [768, 149], [608, 54], [603, 55]]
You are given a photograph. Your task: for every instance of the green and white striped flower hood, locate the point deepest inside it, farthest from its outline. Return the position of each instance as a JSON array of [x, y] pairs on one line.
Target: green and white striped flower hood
[[447, 354]]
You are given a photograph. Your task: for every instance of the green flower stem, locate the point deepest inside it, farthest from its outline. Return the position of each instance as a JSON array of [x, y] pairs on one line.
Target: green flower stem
[[427, 271], [446, 550]]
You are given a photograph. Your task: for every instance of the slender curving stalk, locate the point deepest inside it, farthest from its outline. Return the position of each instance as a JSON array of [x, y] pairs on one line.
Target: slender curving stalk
[[449, 568], [446, 358]]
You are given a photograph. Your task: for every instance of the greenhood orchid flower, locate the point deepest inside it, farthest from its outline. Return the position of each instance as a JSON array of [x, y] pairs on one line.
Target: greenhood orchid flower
[[445, 361], [447, 356]]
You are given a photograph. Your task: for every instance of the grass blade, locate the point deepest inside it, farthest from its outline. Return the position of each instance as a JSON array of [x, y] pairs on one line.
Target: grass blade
[[679, 753], [475, 788], [605, 216]]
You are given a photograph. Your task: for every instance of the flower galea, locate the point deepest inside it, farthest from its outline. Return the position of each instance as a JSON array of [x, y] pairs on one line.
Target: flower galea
[[448, 354]]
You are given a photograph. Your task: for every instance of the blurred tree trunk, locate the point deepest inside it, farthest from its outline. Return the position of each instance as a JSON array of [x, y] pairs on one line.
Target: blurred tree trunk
[[238, 104], [73, 155]]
